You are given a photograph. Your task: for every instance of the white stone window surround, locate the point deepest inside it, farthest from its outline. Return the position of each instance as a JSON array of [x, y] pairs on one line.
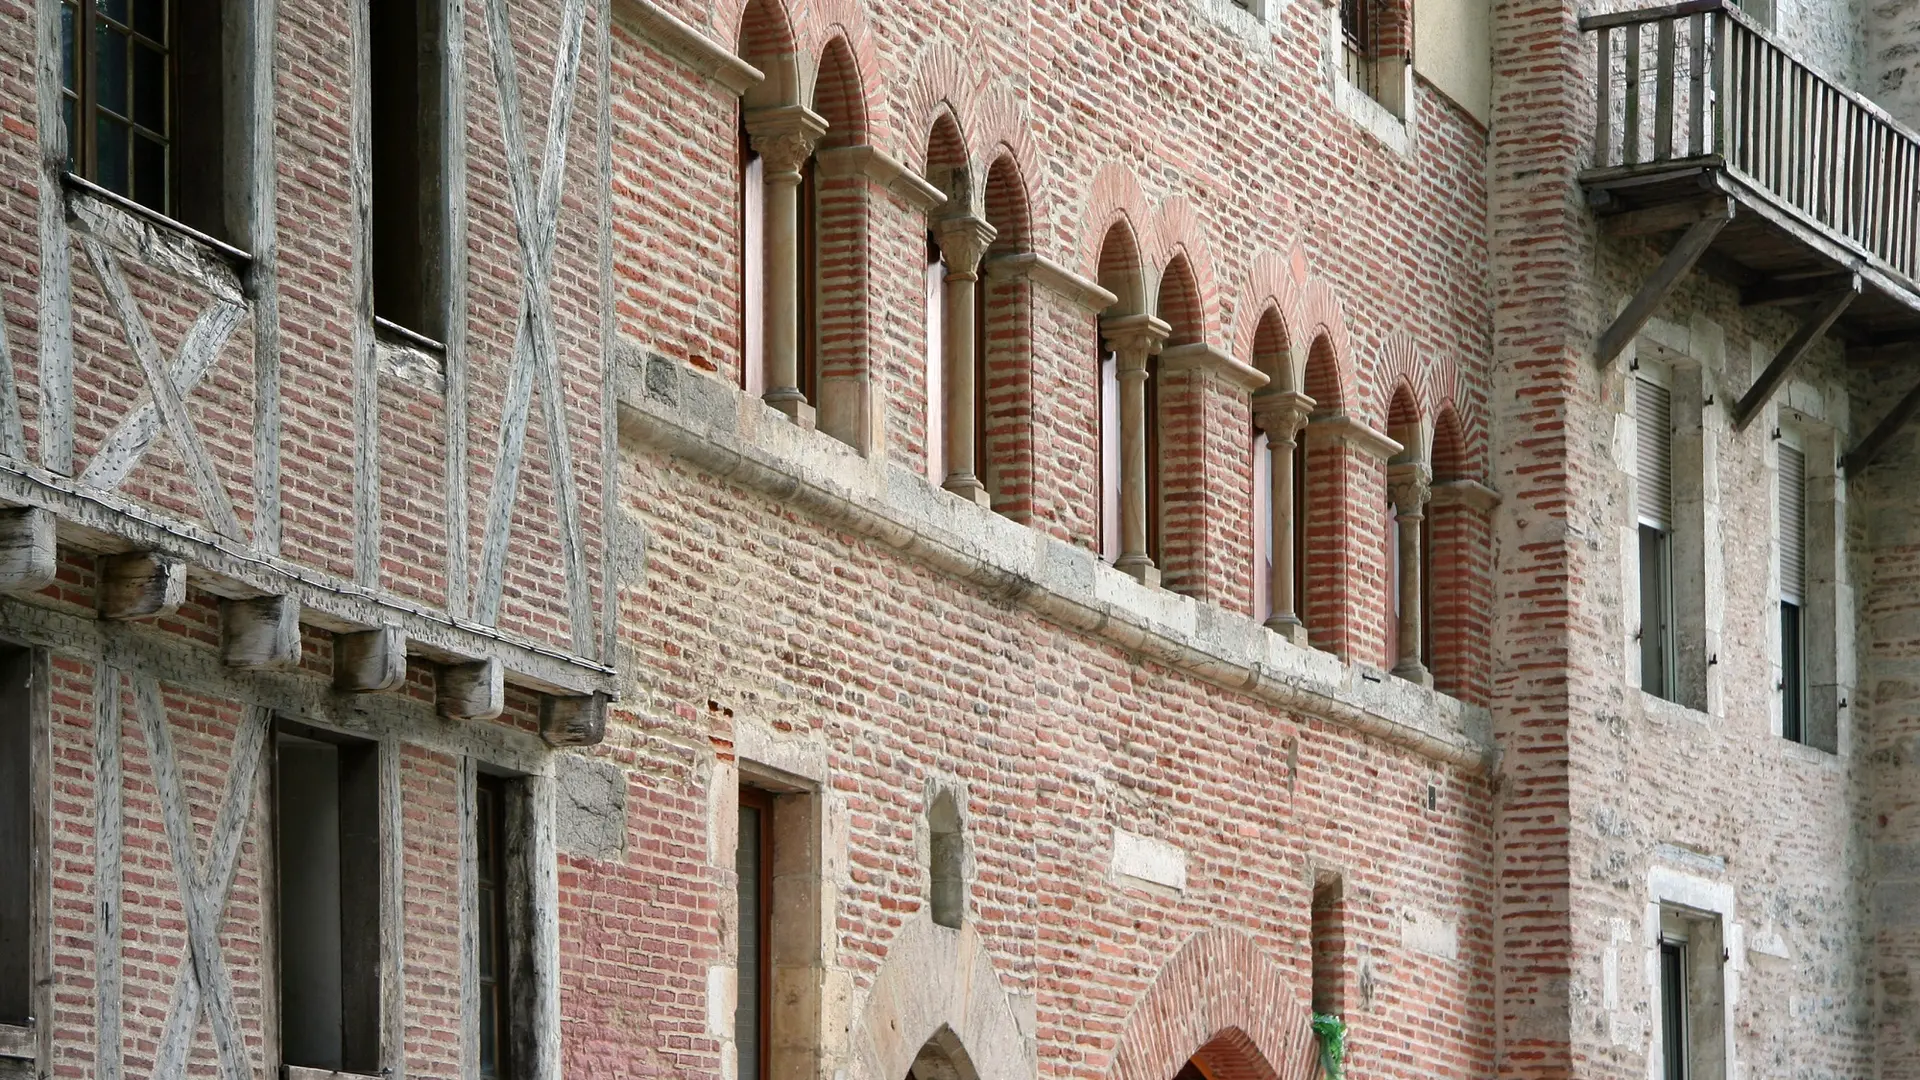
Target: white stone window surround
[[668, 407], [1396, 133], [1800, 417], [1686, 358], [1672, 892]]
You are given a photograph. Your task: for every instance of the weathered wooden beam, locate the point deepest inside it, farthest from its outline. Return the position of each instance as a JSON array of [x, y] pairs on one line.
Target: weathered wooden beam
[[1787, 291], [140, 585], [28, 559], [1790, 357], [1670, 217], [1685, 253], [370, 661], [1869, 448], [573, 721], [260, 633], [473, 691]]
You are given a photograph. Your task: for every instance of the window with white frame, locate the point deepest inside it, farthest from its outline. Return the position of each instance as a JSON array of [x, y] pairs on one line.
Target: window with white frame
[[1692, 987], [1653, 414], [1792, 544], [936, 363]]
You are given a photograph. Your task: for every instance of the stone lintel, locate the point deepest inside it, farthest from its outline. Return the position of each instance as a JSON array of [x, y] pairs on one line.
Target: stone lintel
[[687, 44], [1200, 356], [1339, 427], [1053, 277], [881, 168], [1471, 494]]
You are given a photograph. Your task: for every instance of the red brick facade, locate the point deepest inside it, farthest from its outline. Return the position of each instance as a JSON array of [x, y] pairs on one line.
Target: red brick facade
[[628, 586]]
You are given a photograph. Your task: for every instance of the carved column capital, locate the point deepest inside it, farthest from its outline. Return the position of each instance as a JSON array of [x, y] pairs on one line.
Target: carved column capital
[[785, 136], [1409, 484], [1281, 413], [1133, 338], [963, 242]]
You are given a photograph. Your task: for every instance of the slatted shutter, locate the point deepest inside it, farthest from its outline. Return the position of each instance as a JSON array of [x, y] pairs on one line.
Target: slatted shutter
[[1653, 409], [1793, 524]]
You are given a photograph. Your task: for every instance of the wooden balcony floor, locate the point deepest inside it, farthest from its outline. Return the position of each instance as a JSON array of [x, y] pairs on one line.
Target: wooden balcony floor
[[1769, 251]]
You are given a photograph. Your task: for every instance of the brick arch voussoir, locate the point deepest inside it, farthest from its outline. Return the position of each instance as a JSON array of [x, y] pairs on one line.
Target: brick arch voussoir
[[936, 981], [847, 19], [1403, 363], [943, 81], [728, 27], [1116, 196], [1003, 128], [1270, 286], [1180, 232], [1219, 994], [1321, 315]]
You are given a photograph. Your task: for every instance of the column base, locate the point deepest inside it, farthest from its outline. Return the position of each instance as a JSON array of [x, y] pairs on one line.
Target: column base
[[1289, 627], [793, 403], [1139, 568], [1414, 672], [969, 487]]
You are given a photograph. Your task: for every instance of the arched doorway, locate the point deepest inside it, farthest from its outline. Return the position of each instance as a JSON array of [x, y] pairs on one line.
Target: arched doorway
[[942, 1057]]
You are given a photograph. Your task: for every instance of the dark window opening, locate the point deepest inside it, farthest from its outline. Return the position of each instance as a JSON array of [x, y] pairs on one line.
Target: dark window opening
[[1792, 673], [16, 835], [1656, 611], [1155, 467], [409, 219], [1673, 1008], [753, 862], [327, 813], [1299, 568], [1361, 46], [490, 910], [1329, 944], [141, 123], [808, 339], [982, 458]]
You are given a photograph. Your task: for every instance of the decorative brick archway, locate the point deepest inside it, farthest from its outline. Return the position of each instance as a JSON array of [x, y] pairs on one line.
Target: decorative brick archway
[[1225, 1004], [939, 986]]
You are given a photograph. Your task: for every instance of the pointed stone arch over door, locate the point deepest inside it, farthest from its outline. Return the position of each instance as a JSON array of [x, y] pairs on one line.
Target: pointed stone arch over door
[[938, 990], [1225, 1005]]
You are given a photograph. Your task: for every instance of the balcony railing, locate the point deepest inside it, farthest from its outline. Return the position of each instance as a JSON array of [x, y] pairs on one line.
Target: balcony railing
[[1698, 83]]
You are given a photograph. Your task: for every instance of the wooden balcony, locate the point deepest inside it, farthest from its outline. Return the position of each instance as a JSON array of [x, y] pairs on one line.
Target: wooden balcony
[[1767, 174]]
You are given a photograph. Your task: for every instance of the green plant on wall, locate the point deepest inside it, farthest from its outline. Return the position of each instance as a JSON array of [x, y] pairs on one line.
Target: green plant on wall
[[1333, 1043]]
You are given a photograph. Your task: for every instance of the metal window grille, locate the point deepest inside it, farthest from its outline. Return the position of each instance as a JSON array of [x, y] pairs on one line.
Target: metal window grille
[[1360, 38]]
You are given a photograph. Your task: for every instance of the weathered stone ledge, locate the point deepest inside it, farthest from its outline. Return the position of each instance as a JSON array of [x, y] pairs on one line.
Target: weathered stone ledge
[[670, 408]]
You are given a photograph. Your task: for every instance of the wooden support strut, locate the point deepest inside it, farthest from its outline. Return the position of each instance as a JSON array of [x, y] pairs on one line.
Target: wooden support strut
[[475, 691], [140, 585], [27, 555], [1685, 253], [261, 633], [1791, 356], [573, 721], [370, 661], [1869, 448]]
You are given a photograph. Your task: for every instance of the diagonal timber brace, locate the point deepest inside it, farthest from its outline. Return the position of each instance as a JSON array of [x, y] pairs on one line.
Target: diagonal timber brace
[[1869, 448], [1693, 243], [1796, 350]]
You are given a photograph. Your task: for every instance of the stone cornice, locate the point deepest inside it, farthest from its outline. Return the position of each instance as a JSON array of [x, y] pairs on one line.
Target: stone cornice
[[680, 40], [1471, 494], [1053, 277], [1200, 356], [666, 407], [874, 164], [1339, 427]]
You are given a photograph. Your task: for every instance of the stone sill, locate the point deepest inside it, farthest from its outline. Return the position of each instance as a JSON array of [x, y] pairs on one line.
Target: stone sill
[[670, 408]]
